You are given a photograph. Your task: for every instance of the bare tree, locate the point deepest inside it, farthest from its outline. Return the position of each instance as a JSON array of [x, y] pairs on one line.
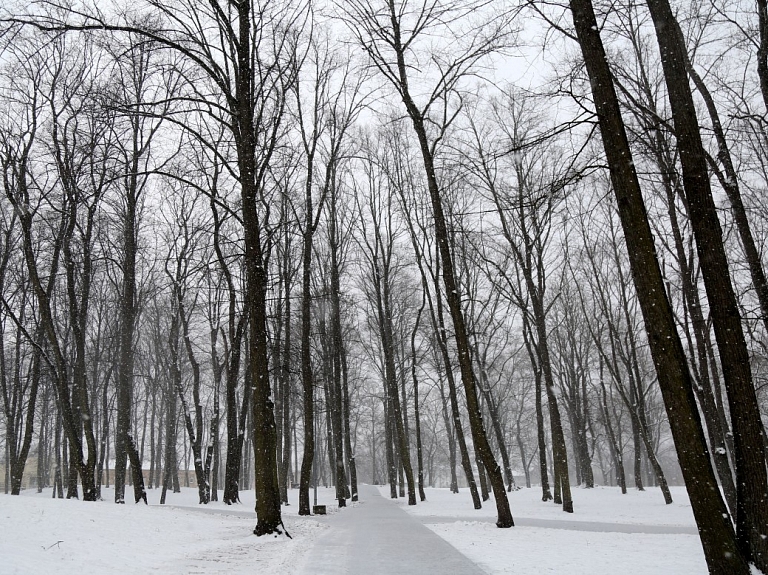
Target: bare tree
[[751, 475], [388, 33], [526, 186], [721, 550]]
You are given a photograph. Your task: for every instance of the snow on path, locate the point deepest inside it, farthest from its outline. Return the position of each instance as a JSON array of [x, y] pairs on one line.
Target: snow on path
[[377, 538], [636, 534]]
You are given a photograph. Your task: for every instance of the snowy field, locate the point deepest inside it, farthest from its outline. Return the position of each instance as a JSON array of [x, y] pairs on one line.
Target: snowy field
[[40, 535], [609, 533]]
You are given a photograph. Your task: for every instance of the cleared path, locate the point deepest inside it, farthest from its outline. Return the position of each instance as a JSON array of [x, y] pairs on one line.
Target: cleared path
[[593, 526], [378, 538]]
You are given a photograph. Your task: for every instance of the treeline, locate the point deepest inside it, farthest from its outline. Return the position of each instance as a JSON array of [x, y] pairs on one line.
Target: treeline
[[283, 243]]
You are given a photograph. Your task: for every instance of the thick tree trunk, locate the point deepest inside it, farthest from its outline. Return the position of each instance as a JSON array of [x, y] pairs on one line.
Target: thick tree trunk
[[699, 327], [762, 50], [751, 476], [718, 539]]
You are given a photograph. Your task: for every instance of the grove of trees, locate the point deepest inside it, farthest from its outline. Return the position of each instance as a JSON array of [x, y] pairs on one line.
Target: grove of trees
[[476, 244]]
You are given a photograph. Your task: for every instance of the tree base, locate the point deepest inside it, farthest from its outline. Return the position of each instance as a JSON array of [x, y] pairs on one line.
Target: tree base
[[568, 506], [267, 528], [505, 523]]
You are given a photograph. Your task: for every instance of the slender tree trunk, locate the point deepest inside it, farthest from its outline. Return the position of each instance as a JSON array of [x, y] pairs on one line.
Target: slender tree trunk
[[285, 379], [416, 410], [389, 451], [449, 432], [618, 460], [347, 433], [449, 279], [546, 494], [466, 463], [382, 282], [496, 424], [307, 378]]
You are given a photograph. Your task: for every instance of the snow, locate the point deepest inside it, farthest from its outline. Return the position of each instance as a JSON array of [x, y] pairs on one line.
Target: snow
[[44, 535], [539, 550], [609, 533], [600, 504]]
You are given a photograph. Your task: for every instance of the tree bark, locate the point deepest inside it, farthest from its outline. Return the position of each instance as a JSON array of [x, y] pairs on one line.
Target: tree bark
[[751, 476], [718, 539]]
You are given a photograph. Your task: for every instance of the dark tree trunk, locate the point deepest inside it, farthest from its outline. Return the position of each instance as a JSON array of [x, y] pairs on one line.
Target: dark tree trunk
[[762, 51], [307, 378], [416, 410], [546, 494], [496, 423], [347, 433], [718, 539], [285, 376], [729, 179], [466, 463], [751, 476], [449, 277], [236, 328], [699, 326], [454, 304], [559, 453], [18, 459], [390, 450]]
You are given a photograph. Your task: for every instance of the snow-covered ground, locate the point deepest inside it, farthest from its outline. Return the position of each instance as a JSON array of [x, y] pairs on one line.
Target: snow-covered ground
[[601, 504], [40, 535], [588, 542], [635, 534]]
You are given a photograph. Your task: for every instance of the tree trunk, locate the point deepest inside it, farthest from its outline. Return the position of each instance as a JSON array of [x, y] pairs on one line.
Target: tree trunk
[[466, 463], [546, 494], [751, 476], [718, 539], [416, 410], [307, 378]]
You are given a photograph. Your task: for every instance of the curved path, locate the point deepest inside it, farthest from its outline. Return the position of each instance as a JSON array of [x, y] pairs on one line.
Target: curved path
[[378, 538]]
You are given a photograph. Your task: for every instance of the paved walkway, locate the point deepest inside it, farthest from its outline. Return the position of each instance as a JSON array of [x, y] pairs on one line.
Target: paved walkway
[[568, 525], [378, 538]]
